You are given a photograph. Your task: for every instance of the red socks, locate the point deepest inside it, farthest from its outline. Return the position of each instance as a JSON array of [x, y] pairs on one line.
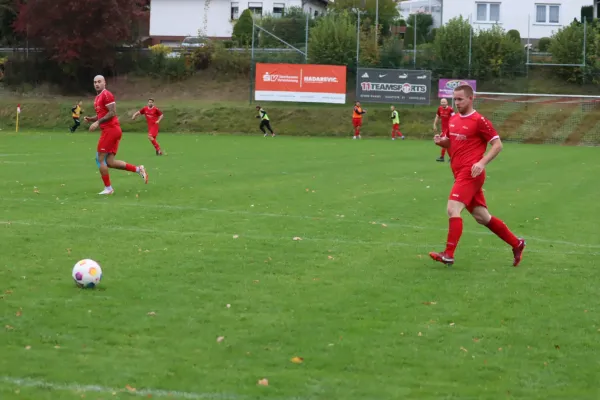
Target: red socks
[[497, 226], [443, 152], [356, 131], [455, 228], [130, 168], [155, 144], [106, 180]]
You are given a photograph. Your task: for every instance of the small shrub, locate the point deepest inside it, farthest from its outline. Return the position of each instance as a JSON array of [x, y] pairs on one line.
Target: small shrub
[[202, 56], [544, 44], [514, 34]]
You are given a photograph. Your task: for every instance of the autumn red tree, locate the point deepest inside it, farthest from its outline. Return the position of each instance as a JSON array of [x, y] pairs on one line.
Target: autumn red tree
[[79, 32]]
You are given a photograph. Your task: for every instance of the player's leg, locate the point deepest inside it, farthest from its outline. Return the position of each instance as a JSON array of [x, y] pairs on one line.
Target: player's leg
[[123, 166], [268, 126], [262, 127], [152, 134], [76, 124], [481, 214], [357, 122], [441, 158], [398, 133], [393, 132], [462, 193], [101, 162]]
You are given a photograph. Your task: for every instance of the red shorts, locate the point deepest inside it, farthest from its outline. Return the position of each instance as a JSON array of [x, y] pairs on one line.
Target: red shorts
[[153, 130], [356, 122], [109, 140], [468, 191], [396, 127]]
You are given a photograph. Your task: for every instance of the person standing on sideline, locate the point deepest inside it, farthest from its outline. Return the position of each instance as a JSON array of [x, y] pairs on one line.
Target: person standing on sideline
[[76, 113], [444, 112], [357, 117], [396, 124]]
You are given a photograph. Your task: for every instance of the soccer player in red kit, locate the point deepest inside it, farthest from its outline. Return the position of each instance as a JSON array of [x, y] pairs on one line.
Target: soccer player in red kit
[[357, 118], [108, 144], [153, 118], [444, 112], [469, 135]]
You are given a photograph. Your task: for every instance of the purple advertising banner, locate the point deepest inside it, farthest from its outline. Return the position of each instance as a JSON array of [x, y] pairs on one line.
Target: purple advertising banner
[[446, 86]]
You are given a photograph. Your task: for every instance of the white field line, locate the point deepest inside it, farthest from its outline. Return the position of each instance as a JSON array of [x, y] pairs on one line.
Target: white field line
[[80, 389], [158, 231], [315, 218]]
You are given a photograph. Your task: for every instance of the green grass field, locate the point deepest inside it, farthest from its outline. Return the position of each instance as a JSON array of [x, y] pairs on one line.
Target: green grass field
[[357, 298]]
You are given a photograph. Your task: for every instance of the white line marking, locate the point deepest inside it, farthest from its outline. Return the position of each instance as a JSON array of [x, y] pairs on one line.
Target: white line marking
[[75, 387], [316, 218], [503, 249]]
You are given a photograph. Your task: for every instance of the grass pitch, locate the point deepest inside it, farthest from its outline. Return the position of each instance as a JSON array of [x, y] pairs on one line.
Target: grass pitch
[[357, 300]]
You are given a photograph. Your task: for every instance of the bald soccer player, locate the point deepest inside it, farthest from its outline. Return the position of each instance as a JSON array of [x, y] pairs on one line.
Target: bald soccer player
[[108, 144]]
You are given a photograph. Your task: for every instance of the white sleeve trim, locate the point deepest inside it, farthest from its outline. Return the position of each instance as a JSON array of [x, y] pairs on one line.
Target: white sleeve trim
[[494, 138]]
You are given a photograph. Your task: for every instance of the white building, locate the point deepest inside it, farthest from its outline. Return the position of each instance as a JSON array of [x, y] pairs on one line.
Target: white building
[[532, 18], [433, 7], [172, 20]]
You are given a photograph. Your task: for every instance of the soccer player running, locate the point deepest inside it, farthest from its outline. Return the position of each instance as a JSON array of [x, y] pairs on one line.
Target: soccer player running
[[153, 118], [396, 124], [469, 135], [444, 112], [264, 121], [76, 113], [357, 117], [108, 144]]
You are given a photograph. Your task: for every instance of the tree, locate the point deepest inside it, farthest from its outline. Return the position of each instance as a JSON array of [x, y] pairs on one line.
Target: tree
[[388, 11], [333, 40], [453, 36], [242, 30], [566, 47], [8, 15], [291, 27], [496, 54], [89, 37], [424, 22]]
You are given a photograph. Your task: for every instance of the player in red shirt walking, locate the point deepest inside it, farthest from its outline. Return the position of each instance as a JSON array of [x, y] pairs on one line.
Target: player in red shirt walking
[[469, 135], [153, 118], [444, 112], [108, 144], [357, 118]]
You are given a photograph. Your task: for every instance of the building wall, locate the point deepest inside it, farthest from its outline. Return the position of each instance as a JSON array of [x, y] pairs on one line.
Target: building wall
[[516, 14], [180, 18]]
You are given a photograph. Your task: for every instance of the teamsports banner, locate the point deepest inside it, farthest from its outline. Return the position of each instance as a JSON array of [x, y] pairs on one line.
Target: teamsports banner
[[393, 86], [446, 86], [306, 83]]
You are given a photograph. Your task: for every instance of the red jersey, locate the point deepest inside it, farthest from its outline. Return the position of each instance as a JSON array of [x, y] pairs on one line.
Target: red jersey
[[104, 99], [469, 137], [445, 114], [152, 114]]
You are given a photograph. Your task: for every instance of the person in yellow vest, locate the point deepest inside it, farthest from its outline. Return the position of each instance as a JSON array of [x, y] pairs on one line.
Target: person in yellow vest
[[357, 115], [264, 121], [396, 124], [76, 112]]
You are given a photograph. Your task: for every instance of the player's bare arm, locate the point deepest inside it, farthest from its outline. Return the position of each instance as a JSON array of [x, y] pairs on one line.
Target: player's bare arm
[[435, 122], [90, 119], [160, 119], [112, 112], [496, 148], [137, 114]]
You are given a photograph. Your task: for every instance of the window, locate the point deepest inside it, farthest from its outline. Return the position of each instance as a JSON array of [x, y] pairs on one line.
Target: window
[[256, 8], [488, 12], [235, 11], [316, 13], [547, 13], [278, 9]]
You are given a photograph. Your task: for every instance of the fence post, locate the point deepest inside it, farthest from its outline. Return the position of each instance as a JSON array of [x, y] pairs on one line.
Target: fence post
[[470, 42], [357, 39], [306, 41], [415, 43], [252, 60]]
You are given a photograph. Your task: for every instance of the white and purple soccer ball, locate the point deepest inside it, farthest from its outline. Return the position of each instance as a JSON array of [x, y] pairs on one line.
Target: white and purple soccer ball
[[87, 274]]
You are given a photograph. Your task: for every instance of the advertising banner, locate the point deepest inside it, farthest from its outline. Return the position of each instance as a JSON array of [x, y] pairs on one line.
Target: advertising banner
[[300, 83], [446, 86], [398, 86]]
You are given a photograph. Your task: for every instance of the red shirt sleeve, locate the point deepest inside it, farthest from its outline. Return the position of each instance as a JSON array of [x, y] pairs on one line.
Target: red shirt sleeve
[[451, 110], [108, 98], [438, 112], [158, 112], [486, 130], [143, 111]]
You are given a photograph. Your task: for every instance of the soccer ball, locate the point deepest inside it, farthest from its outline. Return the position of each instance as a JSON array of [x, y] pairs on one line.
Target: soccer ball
[[87, 274]]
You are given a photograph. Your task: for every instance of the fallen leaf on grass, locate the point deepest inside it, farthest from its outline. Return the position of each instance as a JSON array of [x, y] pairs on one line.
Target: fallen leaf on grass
[[420, 334], [36, 190], [27, 347], [476, 339], [236, 236], [263, 382], [384, 225], [68, 251], [8, 291], [330, 257], [9, 328], [452, 324], [220, 339], [297, 360], [297, 238], [499, 348], [463, 349], [131, 389], [151, 314], [557, 347], [228, 306], [57, 347], [430, 303], [19, 312], [256, 281]]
